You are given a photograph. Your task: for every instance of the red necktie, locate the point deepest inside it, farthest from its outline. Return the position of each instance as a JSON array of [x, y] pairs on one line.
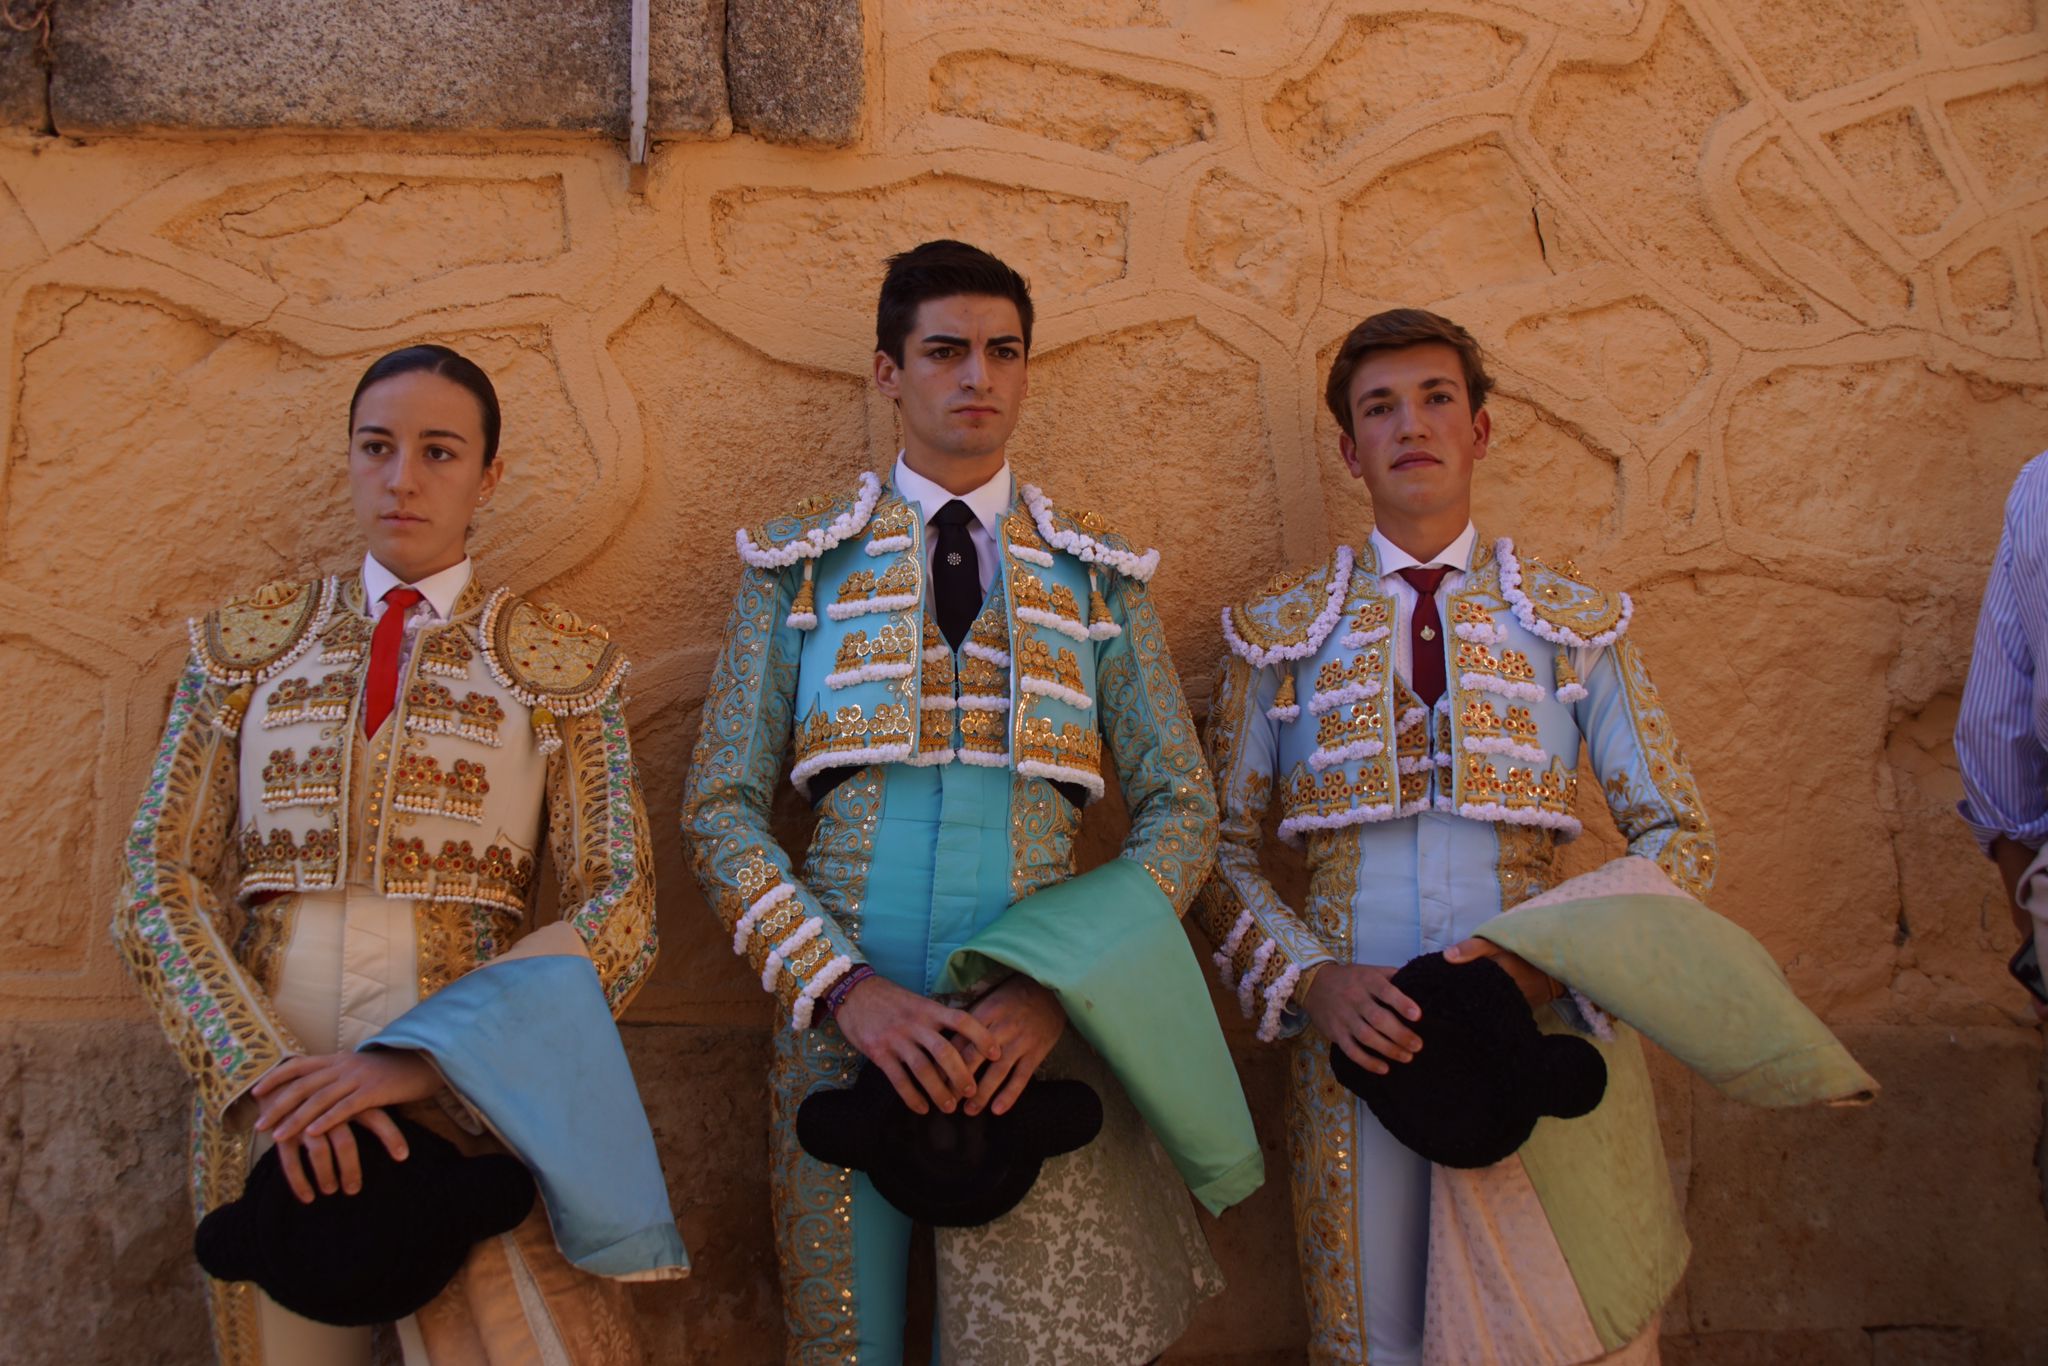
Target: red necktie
[[384, 641], [1425, 633]]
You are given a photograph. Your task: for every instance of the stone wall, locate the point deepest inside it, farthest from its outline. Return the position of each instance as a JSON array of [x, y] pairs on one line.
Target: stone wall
[[1764, 288]]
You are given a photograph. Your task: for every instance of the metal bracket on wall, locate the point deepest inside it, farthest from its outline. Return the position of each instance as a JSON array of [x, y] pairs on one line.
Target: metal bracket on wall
[[636, 136]]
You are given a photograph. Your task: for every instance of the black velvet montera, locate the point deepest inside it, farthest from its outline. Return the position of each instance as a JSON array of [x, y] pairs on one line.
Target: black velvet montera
[[1485, 1073]]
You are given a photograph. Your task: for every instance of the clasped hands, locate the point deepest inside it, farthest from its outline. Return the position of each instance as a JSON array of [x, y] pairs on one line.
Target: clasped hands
[[932, 1053], [308, 1101], [1358, 1007]]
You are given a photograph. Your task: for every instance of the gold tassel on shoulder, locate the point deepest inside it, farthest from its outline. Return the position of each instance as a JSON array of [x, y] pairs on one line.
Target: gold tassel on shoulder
[[1100, 624], [1284, 707], [803, 613]]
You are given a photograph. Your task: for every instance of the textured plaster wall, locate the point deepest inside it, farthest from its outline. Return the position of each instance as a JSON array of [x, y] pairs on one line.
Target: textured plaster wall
[[1764, 287]]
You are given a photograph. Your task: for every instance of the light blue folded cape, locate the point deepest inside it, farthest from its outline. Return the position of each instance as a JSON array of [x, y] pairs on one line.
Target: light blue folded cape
[[529, 1044]]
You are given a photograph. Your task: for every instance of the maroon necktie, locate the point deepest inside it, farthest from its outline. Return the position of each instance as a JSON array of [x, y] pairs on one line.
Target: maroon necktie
[[1425, 633], [382, 690]]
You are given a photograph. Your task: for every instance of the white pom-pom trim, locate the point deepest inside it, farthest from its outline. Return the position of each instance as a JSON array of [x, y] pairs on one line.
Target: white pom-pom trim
[[937, 654], [1337, 697], [1414, 716], [743, 930], [1344, 754], [1248, 984], [783, 952], [1358, 640], [1525, 611], [1480, 633], [976, 650], [817, 540], [1415, 763], [1059, 692], [1318, 630], [1291, 829], [1497, 744], [1228, 948], [975, 701], [1105, 629], [931, 758], [937, 701], [802, 621], [1031, 554], [1276, 997], [1495, 812], [1290, 712], [860, 607], [800, 776], [807, 1000], [1571, 692], [1087, 778], [867, 673], [978, 758], [1083, 547], [1502, 687], [888, 545], [1052, 621]]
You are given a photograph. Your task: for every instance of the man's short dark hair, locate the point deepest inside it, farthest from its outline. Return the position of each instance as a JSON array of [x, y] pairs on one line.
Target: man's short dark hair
[[1391, 331], [938, 270]]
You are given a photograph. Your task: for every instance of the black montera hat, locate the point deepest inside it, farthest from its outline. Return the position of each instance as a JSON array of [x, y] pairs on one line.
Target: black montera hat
[[951, 1171], [374, 1256], [1485, 1074]]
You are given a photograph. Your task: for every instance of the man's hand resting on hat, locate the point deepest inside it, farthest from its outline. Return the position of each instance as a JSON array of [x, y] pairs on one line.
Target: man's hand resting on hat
[[904, 1034], [308, 1101], [1359, 1009], [1026, 1020], [1537, 986]]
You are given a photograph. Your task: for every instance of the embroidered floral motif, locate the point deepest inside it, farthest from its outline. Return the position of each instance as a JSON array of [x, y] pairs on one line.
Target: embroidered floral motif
[[296, 700], [445, 652], [315, 782], [423, 788]]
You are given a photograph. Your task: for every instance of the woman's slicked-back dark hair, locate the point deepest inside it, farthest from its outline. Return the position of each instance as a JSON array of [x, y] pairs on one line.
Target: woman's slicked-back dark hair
[[435, 360], [939, 269]]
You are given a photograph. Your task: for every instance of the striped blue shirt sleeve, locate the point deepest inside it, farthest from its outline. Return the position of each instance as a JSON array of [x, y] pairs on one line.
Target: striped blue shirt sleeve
[[2002, 731]]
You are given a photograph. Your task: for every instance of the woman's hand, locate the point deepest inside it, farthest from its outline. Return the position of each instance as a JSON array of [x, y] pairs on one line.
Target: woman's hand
[[307, 1103]]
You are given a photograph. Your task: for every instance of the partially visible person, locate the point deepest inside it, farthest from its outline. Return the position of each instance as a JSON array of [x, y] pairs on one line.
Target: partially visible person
[[2002, 733], [340, 843]]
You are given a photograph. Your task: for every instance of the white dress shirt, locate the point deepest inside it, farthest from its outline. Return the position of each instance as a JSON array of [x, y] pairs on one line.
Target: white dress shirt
[[1457, 557], [988, 504], [438, 595]]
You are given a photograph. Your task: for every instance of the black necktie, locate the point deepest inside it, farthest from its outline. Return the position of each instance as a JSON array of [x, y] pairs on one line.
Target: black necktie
[[956, 573]]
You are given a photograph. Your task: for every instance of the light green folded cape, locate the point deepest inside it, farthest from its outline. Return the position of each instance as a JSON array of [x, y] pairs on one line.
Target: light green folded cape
[[1698, 985], [1109, 945]]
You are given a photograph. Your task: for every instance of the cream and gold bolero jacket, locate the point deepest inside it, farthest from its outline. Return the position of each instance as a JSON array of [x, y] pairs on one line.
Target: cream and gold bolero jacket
[[507, 714]]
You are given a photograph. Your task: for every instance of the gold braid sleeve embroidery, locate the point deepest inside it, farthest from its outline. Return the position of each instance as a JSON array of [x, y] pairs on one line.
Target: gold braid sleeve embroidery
[[1263, 948], [797, 947], [1649, 788], [1158, 757], [171, 926], [602, 855]]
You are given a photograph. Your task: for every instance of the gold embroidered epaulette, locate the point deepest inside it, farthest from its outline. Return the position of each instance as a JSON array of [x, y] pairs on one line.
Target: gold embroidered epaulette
[[251, 639], [548, 657], [1556, 605], [1087, 537], [1293, 614], [811, 528]]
